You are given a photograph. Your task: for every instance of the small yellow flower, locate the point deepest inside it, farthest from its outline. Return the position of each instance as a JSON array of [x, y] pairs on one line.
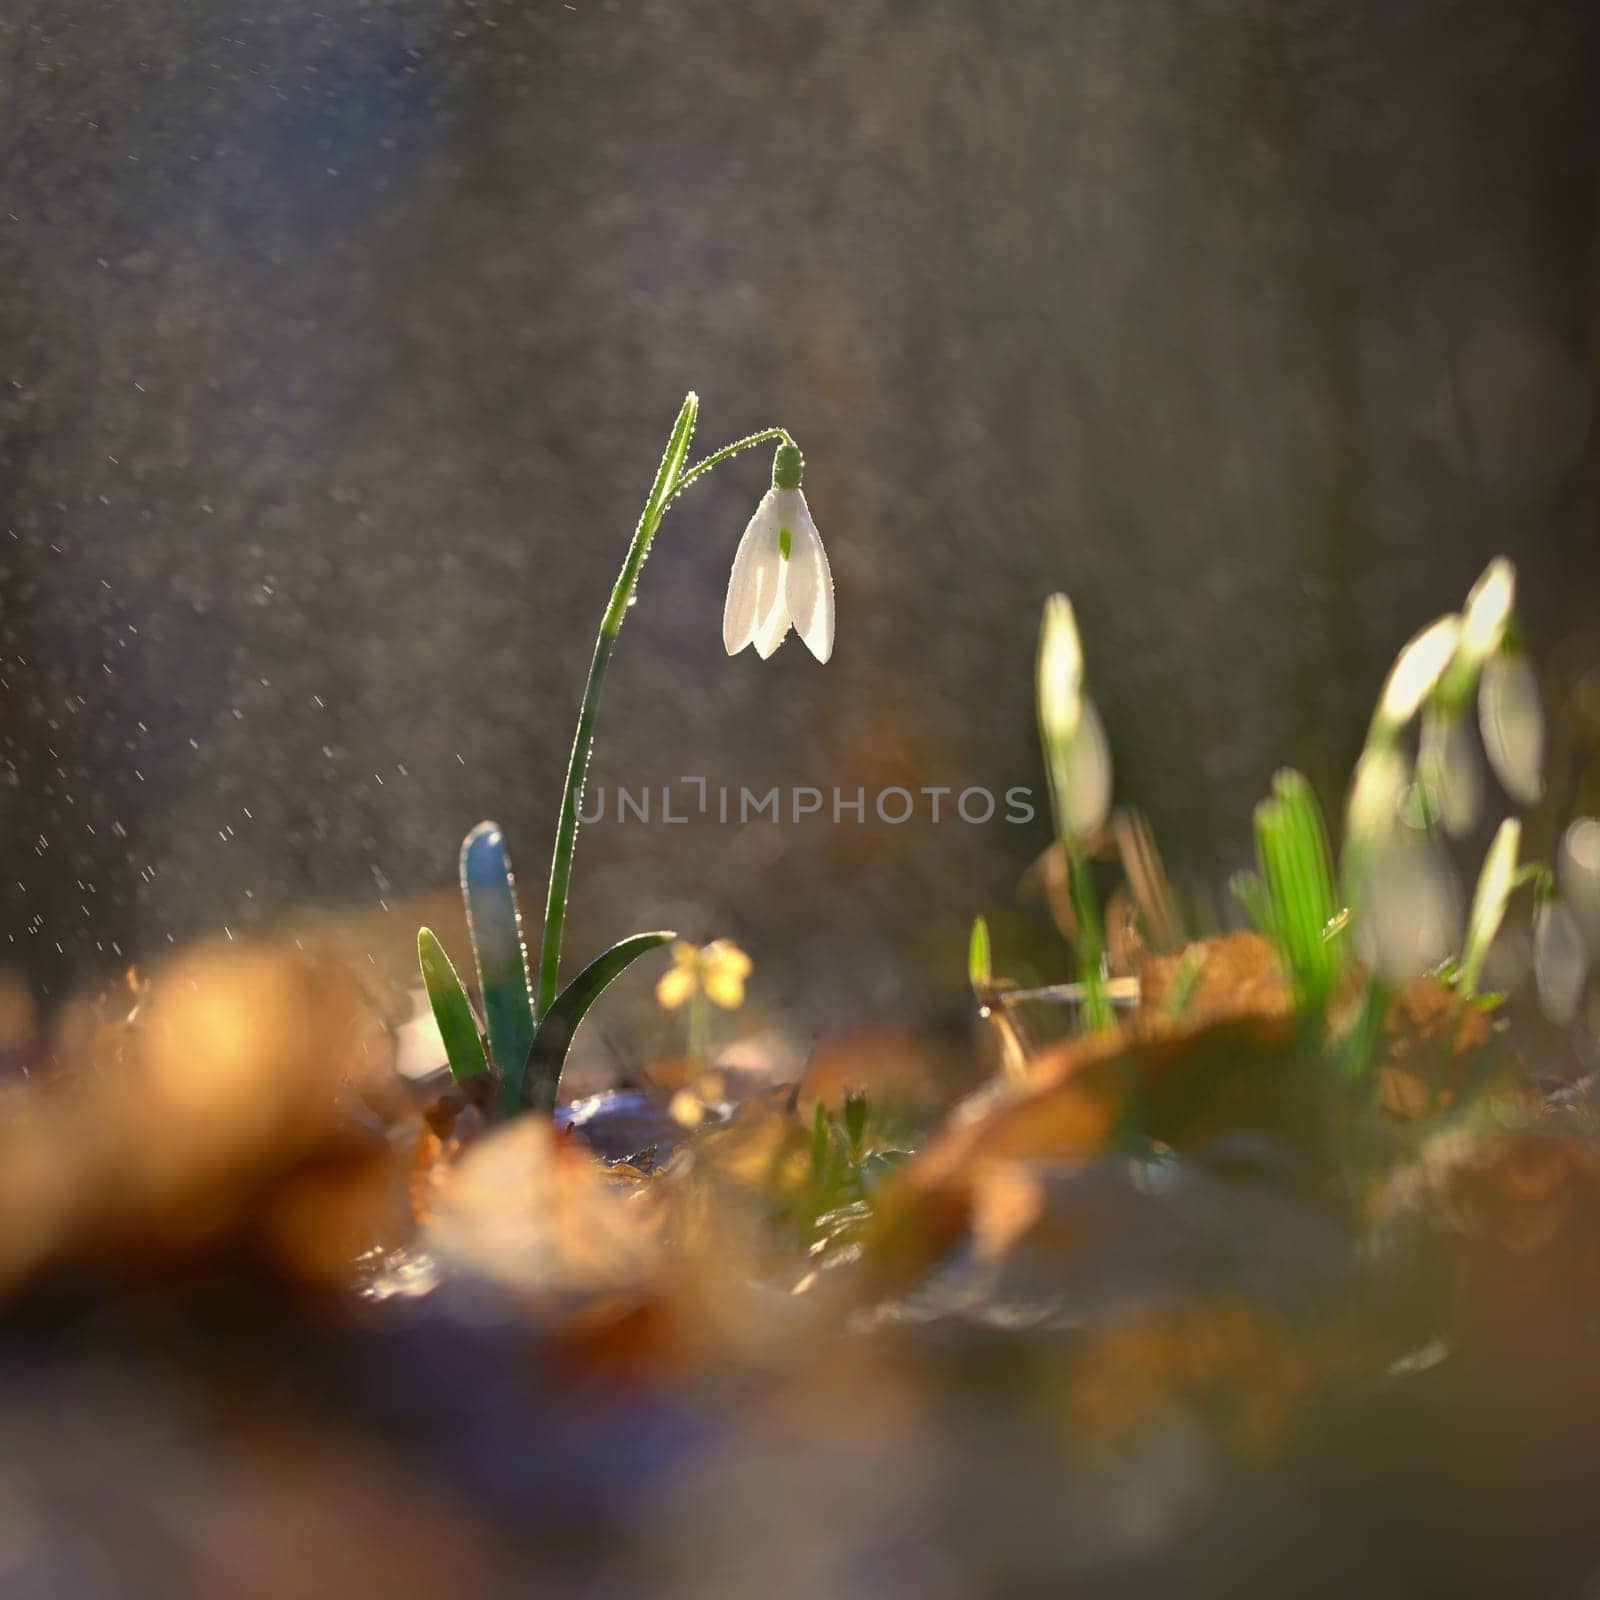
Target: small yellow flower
[[687, 1109], [716, 970]]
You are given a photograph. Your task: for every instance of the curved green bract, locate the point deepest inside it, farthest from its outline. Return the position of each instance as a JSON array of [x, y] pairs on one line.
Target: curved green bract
[[650, 519], [490, 893], [452, 1011], [540, 1079]]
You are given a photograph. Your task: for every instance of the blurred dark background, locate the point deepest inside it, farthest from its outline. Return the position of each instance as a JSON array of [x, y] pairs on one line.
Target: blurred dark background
[[338, 344]]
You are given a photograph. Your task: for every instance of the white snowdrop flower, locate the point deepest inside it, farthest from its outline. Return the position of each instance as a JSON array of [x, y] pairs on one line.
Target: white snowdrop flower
[[780, 576], [1082, 772], [1511, 720], [1560, 960], [1077, 752], [1578, 872], [1487, 613], [1447, 762], [1410, 912]]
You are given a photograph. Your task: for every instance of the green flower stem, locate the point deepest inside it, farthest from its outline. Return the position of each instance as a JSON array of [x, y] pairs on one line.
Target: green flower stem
[[1091, 942], [671, 480], [746, 443], [555, 905], [699, 1030]]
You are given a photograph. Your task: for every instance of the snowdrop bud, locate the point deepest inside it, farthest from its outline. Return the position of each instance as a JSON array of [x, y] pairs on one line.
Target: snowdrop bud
[[1060, 670], [1485, 623], [1488, 611], [1415, 674], [1076, 751], [1560, 960], [1511, 720]]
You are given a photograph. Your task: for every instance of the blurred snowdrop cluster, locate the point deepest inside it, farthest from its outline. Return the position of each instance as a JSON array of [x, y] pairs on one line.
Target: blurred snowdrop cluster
[[1403, 806]]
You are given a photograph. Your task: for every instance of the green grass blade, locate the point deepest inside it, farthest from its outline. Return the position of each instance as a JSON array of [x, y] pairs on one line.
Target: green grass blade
[[490, 892], [452, 1011], [540, 1079]]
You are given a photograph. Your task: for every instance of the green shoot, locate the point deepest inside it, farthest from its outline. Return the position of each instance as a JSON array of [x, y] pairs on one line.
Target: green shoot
[[821, 1146], [452, 1011], [1292, 900], [489, 891], [855, 1119], [980, 964]]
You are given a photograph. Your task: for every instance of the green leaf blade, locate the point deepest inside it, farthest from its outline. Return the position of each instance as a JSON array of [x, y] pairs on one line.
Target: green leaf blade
[[539, 1081], [490, 893], [452, 1011], [1293, 900]]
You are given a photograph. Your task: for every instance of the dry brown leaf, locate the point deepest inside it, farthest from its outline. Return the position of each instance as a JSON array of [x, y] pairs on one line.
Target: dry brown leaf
[[532, 1211], [1238, 976], [207, 1121]]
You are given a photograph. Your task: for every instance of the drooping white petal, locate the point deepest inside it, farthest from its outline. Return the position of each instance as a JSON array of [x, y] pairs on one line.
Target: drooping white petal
[[1417, 670], [1511, 720], [1408, 910], [1488, 610], [1379, 787], [1081, 774], [1560, 960], [1578, 872], [1090, 801], [753, 583], [809, 591], [773, 624], [1448, 766]]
